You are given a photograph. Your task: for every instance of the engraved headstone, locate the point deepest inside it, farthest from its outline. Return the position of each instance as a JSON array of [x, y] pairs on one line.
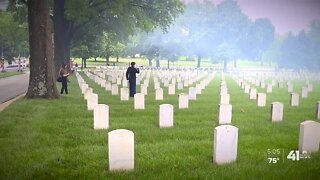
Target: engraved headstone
[[294, 100], [276, 111], [114, 89], [121, 150], [159, 94], [225, 144], [171, 89], [225, 114], [166, 115], [192, 93], [309, 137], [224, 98], [139, 101], [183, 101], [261, 99], [124, 94], [92, 101], [101, 116]]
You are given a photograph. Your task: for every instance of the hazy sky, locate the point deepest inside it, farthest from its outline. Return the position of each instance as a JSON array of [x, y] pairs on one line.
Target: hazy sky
[[286, 15]]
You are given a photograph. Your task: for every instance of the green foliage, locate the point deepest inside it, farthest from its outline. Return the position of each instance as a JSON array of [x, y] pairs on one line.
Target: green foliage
[[13, 37], [300, 51]]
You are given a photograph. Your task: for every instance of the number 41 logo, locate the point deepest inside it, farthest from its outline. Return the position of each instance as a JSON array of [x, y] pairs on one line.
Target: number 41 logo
[[294, 155]]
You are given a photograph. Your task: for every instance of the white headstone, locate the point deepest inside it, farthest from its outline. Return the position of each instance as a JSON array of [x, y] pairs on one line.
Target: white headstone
[[84, 88], [101, 116], [309, 137], [304, 92], [225, 144], [180, 85], [121, 150], [294, 100], [119, 81], [246, 88], [269, 88], [253, 93], [224, 98], [114, 89], [183, 101], [318, 110], [156, 85], [92, 101], [276, 111], [87, 92], [139, 101], [310, 87], [159, 94], [166, 115], [103, 83], [261, 99], [223, 90], [108, 86], [290, 88], [280, 84], [124, 94], [198, 89], [124, 82], [172, 89], [144, 89], [225, 114], [192, 93]]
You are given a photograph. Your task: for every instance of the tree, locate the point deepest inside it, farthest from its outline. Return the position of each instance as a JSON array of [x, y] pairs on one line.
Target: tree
[[81, 51], [42, 76], [258, 39], [115, 17], [231, 26], [195, 30], [13, 37]]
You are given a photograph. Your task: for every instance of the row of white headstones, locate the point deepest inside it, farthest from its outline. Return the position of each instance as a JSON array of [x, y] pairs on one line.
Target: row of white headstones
[[101, 118], [225, 136]]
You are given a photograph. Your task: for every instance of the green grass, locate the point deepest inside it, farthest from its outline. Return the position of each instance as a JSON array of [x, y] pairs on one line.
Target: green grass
[[8, 74], [42, 139]]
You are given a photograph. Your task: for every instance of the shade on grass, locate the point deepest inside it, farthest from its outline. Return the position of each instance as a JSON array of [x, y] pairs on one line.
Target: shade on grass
[[55, 139]]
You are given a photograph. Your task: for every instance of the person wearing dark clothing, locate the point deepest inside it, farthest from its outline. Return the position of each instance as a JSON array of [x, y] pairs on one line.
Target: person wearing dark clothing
[[64, 79], [131, 76]]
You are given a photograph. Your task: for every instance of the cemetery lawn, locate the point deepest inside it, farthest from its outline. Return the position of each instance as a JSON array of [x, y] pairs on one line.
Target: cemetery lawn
[[55, 139], [8, 74]]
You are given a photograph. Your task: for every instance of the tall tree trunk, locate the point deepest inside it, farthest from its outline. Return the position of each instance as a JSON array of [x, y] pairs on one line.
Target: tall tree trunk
[[168, 64], [95, 59], [150, 62], [157, 62], [42, 76], [199, 61], [107, 60], [62, 38], [84, 62], [117, 58], [225, 65]]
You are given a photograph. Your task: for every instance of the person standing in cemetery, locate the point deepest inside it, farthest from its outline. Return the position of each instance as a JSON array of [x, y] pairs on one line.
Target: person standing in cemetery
[[2, 65], [64, 78], [19, 65], [131, 76]]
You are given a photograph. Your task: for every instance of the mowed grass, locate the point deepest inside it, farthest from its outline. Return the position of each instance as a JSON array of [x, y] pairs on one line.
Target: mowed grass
[[8, 74], [55, 139]]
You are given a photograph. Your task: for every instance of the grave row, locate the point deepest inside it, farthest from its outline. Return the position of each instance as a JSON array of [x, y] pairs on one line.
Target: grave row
[[121, 142]]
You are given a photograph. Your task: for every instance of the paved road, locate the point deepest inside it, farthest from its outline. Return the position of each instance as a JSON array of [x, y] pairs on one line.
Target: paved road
[[13, 86]]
